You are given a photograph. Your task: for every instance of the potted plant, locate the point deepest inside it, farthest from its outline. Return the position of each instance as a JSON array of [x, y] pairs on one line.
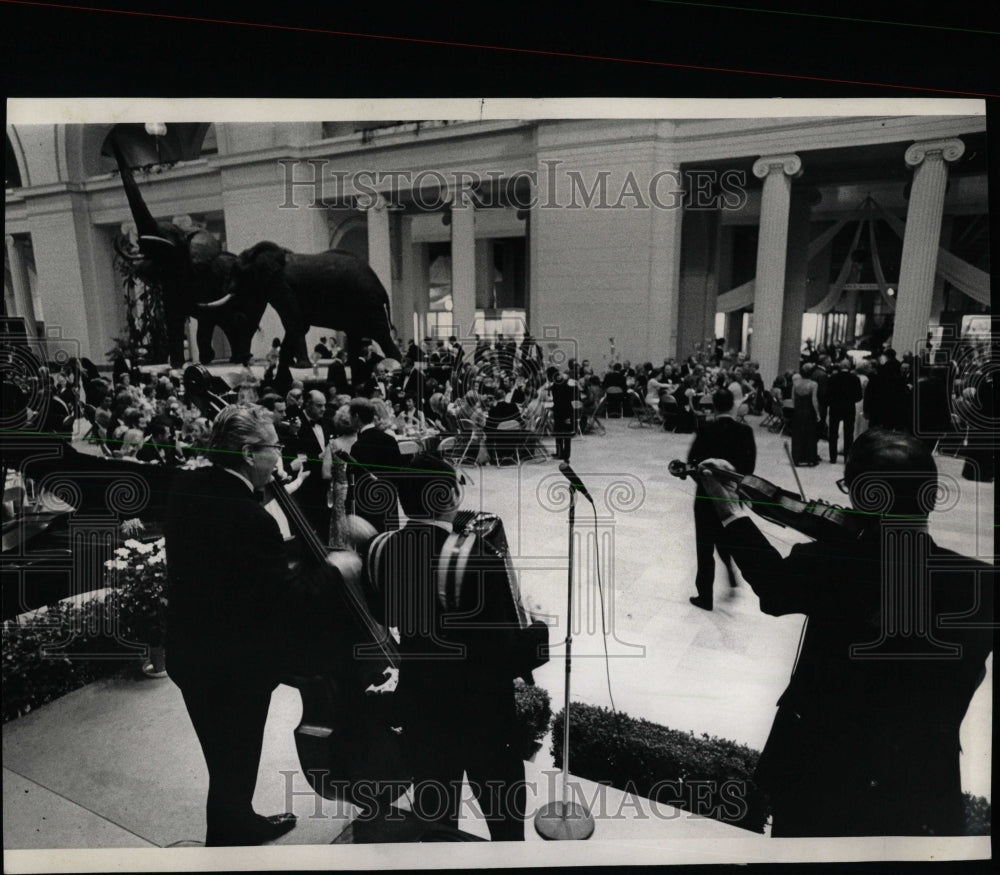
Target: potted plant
[[138, 581]]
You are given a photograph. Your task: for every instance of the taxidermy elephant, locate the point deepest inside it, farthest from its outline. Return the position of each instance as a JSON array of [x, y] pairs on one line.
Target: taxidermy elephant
[[191, 268], [333, 289]]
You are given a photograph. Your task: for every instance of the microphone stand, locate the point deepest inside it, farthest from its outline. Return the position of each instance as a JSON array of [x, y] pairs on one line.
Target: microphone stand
[[564, 819]]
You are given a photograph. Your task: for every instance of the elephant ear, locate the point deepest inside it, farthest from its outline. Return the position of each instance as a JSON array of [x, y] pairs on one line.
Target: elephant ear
[[264, 260], [203, 247]]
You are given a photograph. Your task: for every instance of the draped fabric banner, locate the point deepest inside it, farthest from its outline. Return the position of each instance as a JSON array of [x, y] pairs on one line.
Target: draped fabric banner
[[832, 297], [965, 277], [883, 286], [736, 299]]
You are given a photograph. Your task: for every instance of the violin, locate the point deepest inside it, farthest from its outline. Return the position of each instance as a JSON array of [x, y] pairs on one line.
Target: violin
[[816, 519]]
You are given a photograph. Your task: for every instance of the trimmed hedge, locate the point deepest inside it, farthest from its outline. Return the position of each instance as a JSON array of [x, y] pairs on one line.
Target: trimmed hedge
[[534, 713], [705, 775], [72, 633]]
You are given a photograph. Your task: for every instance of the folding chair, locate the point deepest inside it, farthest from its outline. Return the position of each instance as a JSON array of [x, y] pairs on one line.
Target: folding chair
[[744, 408], [772, 410], [669, 411], [468, 440], [612, 400], [509, 437], [643, 414], [787, 413]]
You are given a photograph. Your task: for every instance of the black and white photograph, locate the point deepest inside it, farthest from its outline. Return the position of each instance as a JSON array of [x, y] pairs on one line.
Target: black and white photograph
[[609, 478]]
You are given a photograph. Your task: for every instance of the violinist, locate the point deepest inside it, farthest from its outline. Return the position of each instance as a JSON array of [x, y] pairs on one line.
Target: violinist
[[723, 438], [866, 737], [227, 615]]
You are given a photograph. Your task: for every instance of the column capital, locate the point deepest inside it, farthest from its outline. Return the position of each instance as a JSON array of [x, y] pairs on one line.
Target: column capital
[[462, 199], [949, 150], [790, 164], [377, 203]]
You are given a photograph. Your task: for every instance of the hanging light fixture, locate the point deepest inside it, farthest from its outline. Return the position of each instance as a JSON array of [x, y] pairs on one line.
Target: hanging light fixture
[[156, 129]]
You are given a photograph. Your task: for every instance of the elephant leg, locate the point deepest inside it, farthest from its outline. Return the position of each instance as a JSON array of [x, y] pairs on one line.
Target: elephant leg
[[239, 332], [293, 350], [283, 298], [175, 341], [206, 352]]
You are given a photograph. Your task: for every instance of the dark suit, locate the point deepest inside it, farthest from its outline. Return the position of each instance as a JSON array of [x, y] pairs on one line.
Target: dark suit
[[724, 438], [380, 461], [226, 628], [455, 688], [159, 454], [842, 394], [311, 496], [869, 746], [336, 376]]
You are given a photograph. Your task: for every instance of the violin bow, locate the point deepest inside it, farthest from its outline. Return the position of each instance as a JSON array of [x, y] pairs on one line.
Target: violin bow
[[788, 452]]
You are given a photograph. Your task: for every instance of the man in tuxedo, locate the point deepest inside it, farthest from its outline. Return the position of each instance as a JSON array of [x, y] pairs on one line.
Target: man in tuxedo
[[311, 442], [723, 438], [363, 367], [161, 447], [321, 350], [866, 737], [461, 647], [842, 394], [227, 623], [336, 374], [379, 458]]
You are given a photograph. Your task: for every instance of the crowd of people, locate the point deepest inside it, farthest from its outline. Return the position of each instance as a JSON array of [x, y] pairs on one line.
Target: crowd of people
[[848, 731]]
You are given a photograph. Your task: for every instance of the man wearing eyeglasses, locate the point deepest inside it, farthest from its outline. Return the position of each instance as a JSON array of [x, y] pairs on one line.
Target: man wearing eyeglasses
[[228, 597], [866, 737]]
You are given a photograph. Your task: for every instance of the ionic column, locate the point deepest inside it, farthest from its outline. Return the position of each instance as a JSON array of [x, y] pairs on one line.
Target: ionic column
[[379, 243], [921, 240], [796, 270], [22, 285], [410, 283], [777, 172], [463, 264]]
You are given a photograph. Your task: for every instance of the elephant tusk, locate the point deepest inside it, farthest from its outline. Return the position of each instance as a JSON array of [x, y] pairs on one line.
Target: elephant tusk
[[152, 238], [212, 305]]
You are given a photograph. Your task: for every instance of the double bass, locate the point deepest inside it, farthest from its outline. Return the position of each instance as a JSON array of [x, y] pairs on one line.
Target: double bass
[[344, 668]]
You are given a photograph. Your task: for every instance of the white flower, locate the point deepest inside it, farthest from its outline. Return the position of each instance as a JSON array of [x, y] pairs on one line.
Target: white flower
[[160, 544], [139, 567], [156, 559], [116, 565], [133, 544], [122, 553], [144, 549]]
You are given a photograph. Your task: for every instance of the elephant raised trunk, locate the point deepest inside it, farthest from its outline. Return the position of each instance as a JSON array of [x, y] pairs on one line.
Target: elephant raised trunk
[[145, 224]]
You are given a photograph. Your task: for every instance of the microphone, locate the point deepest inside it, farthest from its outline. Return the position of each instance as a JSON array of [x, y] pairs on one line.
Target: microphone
[[574, 480]]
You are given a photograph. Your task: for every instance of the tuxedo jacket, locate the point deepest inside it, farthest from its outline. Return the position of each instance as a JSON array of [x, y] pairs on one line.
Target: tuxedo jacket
[[871, 745], [310, 445], [378, 452], [336, 376], [725, 438], [227, 580], [461, 644]]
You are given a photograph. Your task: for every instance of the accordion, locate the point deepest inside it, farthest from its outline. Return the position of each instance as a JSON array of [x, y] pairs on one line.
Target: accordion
[[477, 541]]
